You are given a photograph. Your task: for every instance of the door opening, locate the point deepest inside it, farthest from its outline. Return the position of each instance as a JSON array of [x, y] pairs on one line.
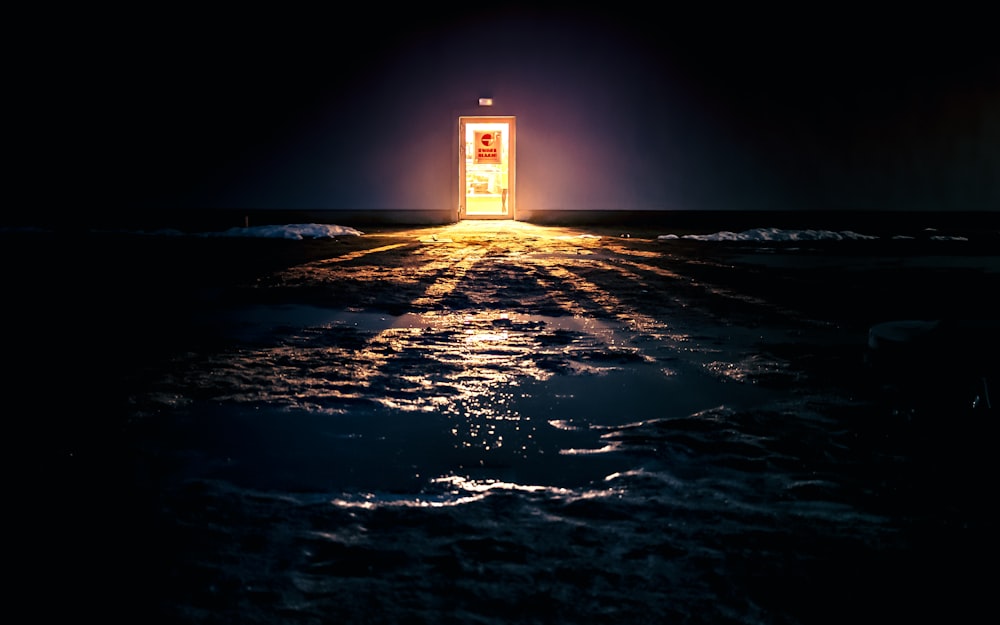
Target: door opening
[[486, 168]]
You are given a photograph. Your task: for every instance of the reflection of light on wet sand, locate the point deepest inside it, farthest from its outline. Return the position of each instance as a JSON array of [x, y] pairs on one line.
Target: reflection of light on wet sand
[[370, 501], [358, 254], [461, 490], [583, 452], [463, 358], [715, 290], [480, 337], [448, 281], [614, 308]]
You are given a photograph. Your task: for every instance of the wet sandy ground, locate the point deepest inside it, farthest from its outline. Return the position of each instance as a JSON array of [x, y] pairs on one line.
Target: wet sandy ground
[[558, 370]]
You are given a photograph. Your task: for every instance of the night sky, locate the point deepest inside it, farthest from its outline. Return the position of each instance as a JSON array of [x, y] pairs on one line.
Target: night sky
[[704, 109]]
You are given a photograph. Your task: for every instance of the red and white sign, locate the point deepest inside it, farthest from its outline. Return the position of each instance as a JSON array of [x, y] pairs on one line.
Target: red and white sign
[[487, 148]]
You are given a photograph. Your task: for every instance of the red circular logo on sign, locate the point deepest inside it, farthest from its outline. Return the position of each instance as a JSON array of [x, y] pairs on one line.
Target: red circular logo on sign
[[487, 139]]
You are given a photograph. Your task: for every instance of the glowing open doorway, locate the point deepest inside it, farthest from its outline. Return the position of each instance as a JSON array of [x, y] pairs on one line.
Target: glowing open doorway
[[486, 168]]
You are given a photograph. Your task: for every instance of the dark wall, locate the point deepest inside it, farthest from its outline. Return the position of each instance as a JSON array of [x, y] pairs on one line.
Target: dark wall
[[621, 108]]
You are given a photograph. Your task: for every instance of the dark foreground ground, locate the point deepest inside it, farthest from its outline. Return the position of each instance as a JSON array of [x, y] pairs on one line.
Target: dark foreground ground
[[496, 423]]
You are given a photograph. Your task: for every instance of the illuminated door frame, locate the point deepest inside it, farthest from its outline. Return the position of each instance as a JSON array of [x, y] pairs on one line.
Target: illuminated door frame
[[493, 199]]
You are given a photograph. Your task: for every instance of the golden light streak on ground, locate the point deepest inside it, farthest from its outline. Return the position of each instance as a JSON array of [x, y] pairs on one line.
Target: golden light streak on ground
[[447, 282], [459, 252], [358, 254], [480, 232], [631, 318], [454, 343], [715, 290]]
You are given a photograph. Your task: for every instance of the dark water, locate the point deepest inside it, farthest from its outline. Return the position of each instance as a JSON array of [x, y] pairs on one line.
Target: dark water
[[557, 431]]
